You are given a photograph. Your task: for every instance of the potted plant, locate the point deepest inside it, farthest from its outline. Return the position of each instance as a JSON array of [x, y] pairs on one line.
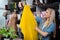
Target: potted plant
[[0, 34], [12, 34], [8, 33], [4, 33]]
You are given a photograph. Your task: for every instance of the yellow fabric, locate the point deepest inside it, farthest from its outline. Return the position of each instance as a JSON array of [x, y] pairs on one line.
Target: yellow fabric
[[28, 24]]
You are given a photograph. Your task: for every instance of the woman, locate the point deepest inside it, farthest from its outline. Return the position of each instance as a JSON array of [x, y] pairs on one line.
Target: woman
[[47, 24]]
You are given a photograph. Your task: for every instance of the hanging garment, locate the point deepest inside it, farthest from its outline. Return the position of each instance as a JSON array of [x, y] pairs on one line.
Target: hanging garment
[[28, 24]]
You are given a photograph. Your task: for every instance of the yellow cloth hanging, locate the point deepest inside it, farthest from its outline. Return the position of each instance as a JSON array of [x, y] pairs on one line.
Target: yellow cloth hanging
[[28, 24]]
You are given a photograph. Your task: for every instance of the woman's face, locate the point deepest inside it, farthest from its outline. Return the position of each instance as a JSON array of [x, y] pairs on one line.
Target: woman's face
[[47, 14]]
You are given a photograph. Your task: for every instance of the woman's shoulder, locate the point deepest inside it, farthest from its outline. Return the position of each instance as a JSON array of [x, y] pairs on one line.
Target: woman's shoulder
[[51, 28], [52, 24]]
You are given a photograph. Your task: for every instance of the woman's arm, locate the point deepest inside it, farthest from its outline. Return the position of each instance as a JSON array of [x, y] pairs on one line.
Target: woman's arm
[[46, 32], [41, 32]]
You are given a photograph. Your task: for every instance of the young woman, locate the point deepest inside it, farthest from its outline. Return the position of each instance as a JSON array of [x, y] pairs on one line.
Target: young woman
[[47, 24]]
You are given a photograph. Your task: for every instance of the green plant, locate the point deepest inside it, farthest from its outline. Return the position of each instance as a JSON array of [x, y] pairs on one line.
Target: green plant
[[11, 33], [8, 33], [0, 32], [3, 32]]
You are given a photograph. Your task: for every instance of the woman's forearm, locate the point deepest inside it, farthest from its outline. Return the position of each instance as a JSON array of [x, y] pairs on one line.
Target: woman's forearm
[[41, 32]]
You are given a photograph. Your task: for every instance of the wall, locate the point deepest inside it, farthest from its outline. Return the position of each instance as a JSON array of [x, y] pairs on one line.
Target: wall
[[2, 7]]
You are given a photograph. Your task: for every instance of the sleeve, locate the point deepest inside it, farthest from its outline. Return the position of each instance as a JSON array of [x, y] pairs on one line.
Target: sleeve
[[51, 28], [38, 19]]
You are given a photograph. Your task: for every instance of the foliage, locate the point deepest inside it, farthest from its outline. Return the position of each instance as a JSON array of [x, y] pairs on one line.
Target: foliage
[[8, 33]]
